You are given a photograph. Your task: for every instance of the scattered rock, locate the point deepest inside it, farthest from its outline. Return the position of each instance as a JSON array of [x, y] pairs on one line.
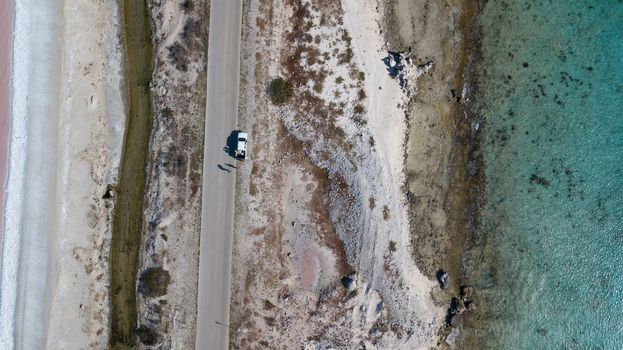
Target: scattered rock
[[457, 306], [349, 282], [396, 62], [379, 307], [475, 127], [542, 331], [460, 307], [401, 66], [443, 279], [109, 192], [452, 337], [467, 295], [455, 320], [374, 332]]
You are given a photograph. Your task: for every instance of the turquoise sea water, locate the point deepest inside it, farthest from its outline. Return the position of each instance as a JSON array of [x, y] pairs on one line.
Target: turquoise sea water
[[548, 256]]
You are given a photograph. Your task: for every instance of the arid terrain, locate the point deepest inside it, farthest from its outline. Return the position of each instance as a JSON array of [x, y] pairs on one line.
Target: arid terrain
[[331, 212], [343, 221]]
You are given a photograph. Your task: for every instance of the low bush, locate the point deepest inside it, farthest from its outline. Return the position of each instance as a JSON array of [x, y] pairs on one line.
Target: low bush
[[153, 282], [385, 213], [280, 91]]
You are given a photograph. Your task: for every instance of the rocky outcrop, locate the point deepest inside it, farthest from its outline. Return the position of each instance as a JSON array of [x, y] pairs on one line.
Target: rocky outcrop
[[401, 66], [459, 306], [443, 279], [349, 282], [467, 296]]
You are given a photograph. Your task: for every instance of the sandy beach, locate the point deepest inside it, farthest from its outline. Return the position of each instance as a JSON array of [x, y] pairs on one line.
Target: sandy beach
[[67, 128]]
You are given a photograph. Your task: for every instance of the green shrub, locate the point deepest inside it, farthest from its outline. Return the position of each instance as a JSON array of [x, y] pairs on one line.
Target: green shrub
[[345, 57], [153, 282], [318, 88], [167, 112], [392, 246], [280, 91], [371, 141], [361, 94], [188, 6], [147, 336]]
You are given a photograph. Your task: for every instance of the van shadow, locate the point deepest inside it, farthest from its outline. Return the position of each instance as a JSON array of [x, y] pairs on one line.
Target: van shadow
[[230, 144]]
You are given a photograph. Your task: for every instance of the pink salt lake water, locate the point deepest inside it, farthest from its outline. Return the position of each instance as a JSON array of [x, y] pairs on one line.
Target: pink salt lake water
[[6, 29]]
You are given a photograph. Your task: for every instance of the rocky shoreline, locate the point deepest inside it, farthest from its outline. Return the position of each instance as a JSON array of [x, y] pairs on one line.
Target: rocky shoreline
[[443, 161]]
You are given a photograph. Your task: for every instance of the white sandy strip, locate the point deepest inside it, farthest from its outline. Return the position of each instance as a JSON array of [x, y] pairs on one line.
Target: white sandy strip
[[386, 121], [61, 157], [91, 121], [31, 157]]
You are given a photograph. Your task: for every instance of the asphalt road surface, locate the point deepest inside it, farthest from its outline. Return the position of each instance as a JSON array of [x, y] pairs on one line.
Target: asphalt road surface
[[218, 178]]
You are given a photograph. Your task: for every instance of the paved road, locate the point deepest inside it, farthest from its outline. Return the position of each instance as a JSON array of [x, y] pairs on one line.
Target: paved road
[[218, 185]]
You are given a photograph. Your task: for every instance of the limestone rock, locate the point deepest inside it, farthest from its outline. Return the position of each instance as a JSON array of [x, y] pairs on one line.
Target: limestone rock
[[443, 279], [349, 282]]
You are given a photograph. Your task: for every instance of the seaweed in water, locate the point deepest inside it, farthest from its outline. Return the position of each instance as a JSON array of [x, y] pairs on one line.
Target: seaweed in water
[[535, 179]]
